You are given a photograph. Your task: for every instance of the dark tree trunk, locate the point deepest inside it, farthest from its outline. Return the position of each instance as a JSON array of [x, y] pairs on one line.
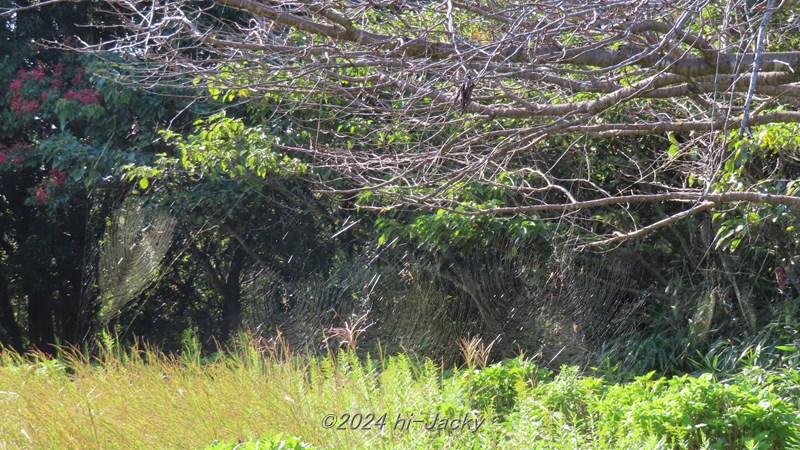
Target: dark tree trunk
[[69, 310], [72, 310], [232, 296], [10, 334], [41, 331]]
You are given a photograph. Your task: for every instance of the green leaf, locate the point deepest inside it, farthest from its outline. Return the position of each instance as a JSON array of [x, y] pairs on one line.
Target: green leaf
[[672, 139], [673, 149], [787, 348], [143, 183]]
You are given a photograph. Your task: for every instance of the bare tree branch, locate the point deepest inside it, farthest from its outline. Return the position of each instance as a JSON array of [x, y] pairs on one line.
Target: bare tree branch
[[420, 100]]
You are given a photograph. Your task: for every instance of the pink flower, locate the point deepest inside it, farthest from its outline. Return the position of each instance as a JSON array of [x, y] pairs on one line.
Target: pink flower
[[16, 84], [85, 96], [41, 195], [20, 105], [89, 96], [44, 96], [16, 104], [57, 177], [31, 106], [37, 73], [17, 160], [24, 75], [57, 84], [3, 157]]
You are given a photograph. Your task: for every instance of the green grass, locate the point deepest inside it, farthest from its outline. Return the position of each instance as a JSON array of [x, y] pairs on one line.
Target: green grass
[[252, 400]]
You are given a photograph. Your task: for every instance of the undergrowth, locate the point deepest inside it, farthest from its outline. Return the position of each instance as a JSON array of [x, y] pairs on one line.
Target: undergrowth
[[252, 398]]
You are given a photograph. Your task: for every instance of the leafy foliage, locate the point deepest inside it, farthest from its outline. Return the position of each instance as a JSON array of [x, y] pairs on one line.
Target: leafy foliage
[[276, 442], [497, 386]]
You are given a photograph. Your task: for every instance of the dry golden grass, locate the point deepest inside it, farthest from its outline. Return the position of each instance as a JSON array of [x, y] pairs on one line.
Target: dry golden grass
[[143, 399]]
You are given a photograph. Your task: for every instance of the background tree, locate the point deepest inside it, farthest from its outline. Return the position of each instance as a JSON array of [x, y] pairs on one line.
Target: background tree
[[65, 133], [493, 86], [247, 216], [486, 142]]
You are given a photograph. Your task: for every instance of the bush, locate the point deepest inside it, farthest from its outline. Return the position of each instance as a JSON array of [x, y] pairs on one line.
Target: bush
[[497, 386], [698, 412], [276, 442]]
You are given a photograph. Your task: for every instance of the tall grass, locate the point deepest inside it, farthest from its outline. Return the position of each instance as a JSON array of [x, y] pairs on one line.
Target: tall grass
[[141, 398], [144, 399]]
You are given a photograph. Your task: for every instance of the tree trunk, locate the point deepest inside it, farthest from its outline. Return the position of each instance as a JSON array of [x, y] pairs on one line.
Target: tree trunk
[[72, 308], [41, 332], [10, 334], [232, 296]]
